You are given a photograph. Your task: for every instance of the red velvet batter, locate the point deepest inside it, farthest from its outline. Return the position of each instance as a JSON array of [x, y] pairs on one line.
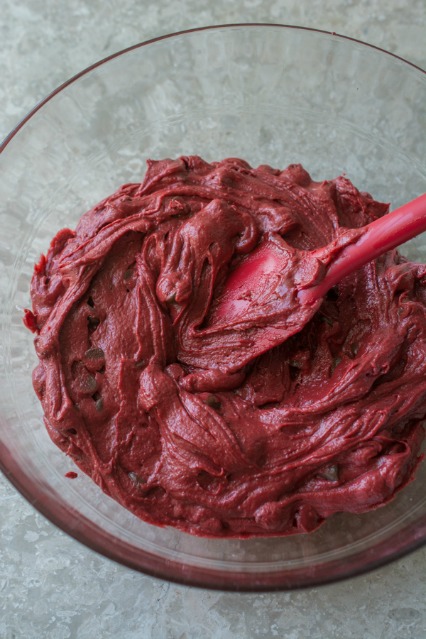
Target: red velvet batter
[[176, 417]]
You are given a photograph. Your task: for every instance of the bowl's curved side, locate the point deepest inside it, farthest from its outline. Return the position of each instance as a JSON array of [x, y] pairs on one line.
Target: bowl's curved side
[[91, 67]]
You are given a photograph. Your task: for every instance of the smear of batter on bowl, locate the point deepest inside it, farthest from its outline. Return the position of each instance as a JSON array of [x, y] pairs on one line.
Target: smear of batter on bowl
[[176, 417]]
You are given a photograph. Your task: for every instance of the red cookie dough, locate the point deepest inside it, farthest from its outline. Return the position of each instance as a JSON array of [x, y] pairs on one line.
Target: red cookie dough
[[171, 415]]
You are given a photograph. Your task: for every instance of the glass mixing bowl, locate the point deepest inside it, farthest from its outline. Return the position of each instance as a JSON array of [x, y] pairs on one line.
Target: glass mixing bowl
[[266, 93]]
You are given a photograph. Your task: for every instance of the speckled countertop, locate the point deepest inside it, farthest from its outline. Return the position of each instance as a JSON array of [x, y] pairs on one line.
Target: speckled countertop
[[52, 587]]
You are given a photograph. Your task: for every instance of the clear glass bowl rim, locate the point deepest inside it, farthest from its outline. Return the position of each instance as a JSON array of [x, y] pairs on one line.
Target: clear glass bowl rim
[[87, 534]]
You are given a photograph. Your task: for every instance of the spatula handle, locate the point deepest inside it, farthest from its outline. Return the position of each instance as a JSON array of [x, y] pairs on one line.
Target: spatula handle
[[380, 236]]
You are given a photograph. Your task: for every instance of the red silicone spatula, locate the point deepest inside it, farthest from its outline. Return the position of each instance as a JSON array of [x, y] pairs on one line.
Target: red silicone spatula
[[270, 284]]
